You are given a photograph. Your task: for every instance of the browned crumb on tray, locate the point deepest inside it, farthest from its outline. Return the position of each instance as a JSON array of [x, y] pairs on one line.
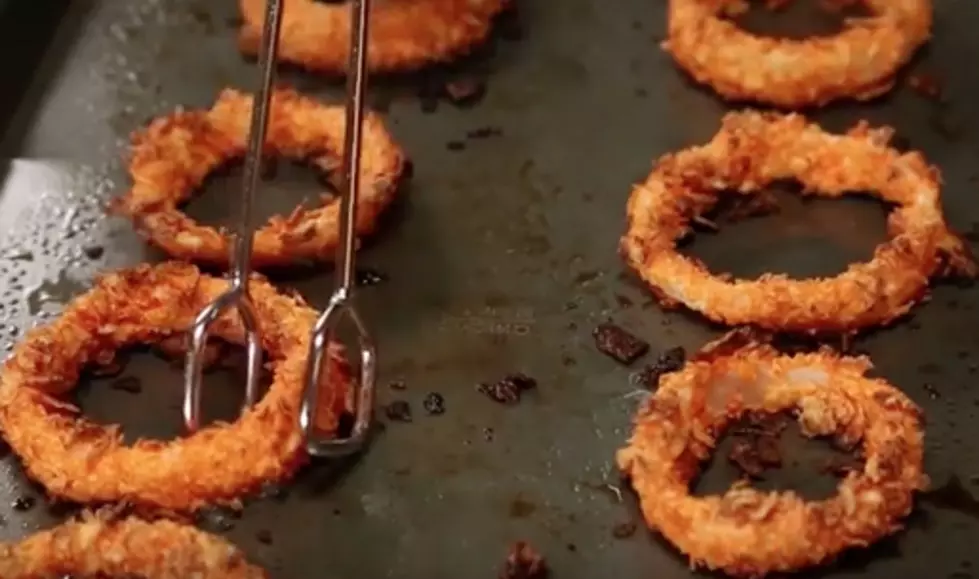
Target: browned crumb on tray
[[618, 344], [523, 562]]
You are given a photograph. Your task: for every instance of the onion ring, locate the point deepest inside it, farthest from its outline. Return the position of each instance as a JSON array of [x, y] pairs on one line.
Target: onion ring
[[88, 463], [172, 157], [747, 532], [750, 152], [860, 62], [403, 36], [95, 547]]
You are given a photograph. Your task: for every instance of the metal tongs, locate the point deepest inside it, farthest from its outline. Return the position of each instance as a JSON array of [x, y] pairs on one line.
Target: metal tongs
[[341, 301]]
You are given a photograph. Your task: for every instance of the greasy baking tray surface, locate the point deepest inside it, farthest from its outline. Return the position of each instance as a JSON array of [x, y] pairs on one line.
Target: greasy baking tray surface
[[502, 258]]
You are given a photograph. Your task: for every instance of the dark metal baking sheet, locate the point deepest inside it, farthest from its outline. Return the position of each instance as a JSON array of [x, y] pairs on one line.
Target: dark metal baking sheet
[[28, 31], [501, 258]]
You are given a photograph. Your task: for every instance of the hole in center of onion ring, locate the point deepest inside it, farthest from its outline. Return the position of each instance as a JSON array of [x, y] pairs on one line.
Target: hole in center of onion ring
[[142, 390], [770, 452], [798, 236], [286, 186], [794, 19]]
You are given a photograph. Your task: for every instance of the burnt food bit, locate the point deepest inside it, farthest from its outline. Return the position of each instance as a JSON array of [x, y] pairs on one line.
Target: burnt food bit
[[744, 457], [465, 92], [508, 389], [23, 504], [524, 562], [455, 146], [619, 344], [398, 411], [669, 361], [756, 446], [398, 385], [484, 133], [434, 404], [769, 453]]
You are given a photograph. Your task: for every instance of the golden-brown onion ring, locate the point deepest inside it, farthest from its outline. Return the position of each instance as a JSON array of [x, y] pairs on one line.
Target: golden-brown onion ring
[[859, 63], [404, 35], [84, 462], [747, 532], [750, 152], [174, 154], [94, 547]]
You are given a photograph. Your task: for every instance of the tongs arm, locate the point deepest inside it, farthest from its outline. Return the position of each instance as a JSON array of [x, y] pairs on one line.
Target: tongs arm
[[342, 300], [237, 295]]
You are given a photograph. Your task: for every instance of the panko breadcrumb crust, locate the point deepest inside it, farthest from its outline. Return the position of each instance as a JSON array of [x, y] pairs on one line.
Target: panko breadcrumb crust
[[859, 63], [751, 151], [88, 463], [404, 35], [96, 546], [171, 158], [749, 533]]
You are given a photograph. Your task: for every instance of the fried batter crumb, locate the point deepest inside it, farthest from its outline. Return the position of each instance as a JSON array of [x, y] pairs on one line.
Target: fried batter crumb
[[523, 562]]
